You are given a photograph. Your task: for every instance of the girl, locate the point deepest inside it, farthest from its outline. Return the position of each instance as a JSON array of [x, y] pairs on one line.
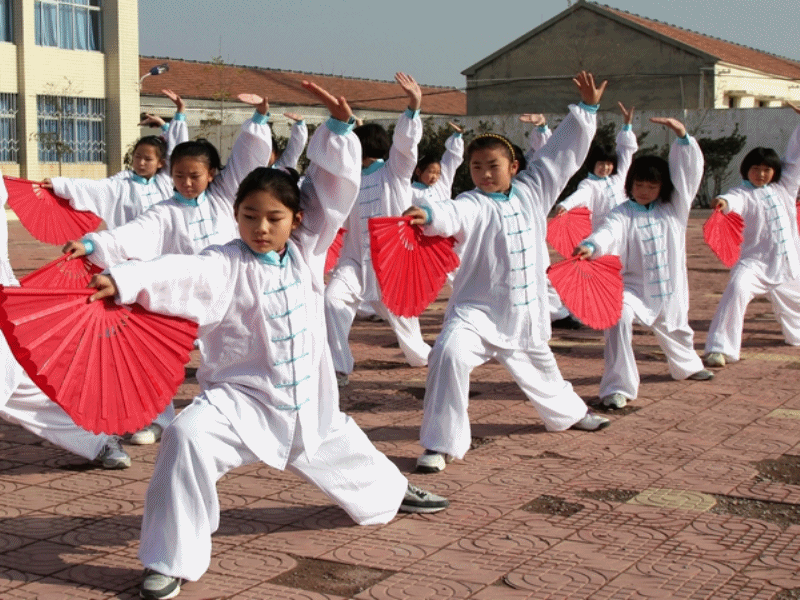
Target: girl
[[268, 386], [199, 214], [433, 179], [604, 189], [648, 232], [123, 197], [769, 260], [495, 309], [385, 191], [23, 403]]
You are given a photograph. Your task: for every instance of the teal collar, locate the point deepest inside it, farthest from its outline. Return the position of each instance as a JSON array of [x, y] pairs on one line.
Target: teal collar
[[272, 258], [746, 183], [418, 185], [139, 179], [499, 196], [594, 177], [642, 207], [189, 201], [378, 164]]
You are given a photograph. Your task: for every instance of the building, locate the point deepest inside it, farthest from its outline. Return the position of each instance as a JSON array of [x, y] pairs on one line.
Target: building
[[648, 64]]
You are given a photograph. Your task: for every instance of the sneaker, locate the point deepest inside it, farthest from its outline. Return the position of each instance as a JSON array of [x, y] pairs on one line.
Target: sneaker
[[149, 435], [591, 422], [159, 587], [112, 456], [342, 380], [418, 500], [568, 322], [715, 359], [614, 401], [704, 375], [433, 462]]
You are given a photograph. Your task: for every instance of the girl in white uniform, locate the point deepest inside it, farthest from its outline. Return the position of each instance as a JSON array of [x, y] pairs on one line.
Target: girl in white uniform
[[268, 386], [23, 403], [769, 260], [498, 308], [128, 194], [433, 178], [648, 233], [385, 191], [199, 214]]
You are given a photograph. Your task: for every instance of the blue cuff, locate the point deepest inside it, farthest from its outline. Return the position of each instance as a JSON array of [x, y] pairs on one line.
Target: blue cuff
[[627, 127], [685, 140], [340, 127], [589, 245], [165, 127], [260, 119], [179, 116], [429, 214], [590, 108], [88, 245], [457, 134], [411, 113], [542, 128]]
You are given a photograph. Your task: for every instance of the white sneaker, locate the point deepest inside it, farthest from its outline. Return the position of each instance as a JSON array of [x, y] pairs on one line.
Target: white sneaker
[[112, 456], [342, 380], [159, 587], [715, 359], [433, 462], [417, 500], [704, 375], [591, 422], [614, 401], [149, 435]]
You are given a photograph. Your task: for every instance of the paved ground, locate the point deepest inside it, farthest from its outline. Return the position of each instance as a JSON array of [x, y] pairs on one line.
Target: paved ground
[[693, 492]]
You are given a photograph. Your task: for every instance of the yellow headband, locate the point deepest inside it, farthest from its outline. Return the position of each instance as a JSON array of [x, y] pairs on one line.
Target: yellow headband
[[502, 139]]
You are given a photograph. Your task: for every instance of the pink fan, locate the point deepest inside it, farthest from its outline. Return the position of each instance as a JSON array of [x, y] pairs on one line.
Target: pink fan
[[47, 217], [411, 267], [334, 250], [75, 273], [567, 230], [723, 234], [111, 368], [590, 289]]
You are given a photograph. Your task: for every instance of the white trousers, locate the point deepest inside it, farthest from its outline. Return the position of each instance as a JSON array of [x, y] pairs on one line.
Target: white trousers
[[557, 308], [341, 304], [620, 375], [181, 508], [457, 351], [725, 332]]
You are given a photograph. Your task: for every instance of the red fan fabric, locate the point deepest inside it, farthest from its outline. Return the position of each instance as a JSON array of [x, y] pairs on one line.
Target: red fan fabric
[[590, 289], [723, 234], [112, 368], [567, 230], [75, 273], [335, 249], [798, 215], [411, 267], [47, 217]]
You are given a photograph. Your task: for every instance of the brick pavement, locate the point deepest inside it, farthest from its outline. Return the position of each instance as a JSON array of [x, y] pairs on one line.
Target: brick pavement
[[651, 507]]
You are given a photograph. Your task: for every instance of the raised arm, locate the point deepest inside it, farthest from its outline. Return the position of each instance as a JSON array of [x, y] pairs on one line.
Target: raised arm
[[407, 132], [298, 138], [177, 131], [539, 136], [451, 159], [685, 166], [626, 142], [790, 174]]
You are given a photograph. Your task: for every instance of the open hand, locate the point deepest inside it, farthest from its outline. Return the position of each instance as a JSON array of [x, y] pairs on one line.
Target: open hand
[[151, 121], [590, 93], [180, 105], [627, 114], [455, 127], [293, 116], [411, 88], [673, 124], [338, 107], [536, 119], [261, 104]]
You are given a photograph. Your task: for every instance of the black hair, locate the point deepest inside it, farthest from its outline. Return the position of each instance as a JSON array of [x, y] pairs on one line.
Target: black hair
[[156, 141], [423, 163], [653, 169], [200, 149], [375, 142], [519, 156], [762, 156], [280, 183], [601, 153], [488, 141]]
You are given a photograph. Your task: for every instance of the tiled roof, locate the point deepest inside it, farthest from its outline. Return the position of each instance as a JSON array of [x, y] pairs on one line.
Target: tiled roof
[[204, 81]]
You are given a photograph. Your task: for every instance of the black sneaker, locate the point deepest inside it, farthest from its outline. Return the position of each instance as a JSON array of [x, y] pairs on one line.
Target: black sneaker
[[418, 500], [159, 587], [568, 322]]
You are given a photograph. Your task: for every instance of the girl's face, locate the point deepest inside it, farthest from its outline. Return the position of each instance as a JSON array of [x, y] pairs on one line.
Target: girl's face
[[760, 175], [146, 161], [430, 175], [191, 176], [645, 192], [603, 168], [265, 223], [491, 170]]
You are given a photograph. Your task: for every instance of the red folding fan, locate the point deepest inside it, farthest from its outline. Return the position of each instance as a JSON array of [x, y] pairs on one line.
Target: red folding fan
[[75, 273], [112, 368], [590, 289], [567, 230], [411, 267], [723, 234], [48, 218], [334, 250]]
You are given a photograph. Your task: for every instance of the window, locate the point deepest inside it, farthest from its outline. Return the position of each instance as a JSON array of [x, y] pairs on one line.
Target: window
[[6, 32], [9, 144], [70, 24], [71, 129]]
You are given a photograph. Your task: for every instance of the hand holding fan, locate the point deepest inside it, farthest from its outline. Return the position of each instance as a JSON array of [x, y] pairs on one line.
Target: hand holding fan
[[334, 250], [411, 267], [590, 289], [112, 368], [567, 230], [47, 217], [75, 273], [723, 234]]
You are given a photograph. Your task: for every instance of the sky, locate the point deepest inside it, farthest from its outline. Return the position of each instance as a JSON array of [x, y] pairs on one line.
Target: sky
[[433, 40]]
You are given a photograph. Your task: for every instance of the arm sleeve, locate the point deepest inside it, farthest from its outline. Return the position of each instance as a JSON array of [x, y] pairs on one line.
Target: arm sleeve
[[95, 196], [790, 174], [686, 172], [451, 159], [583, 196], [403, 153], [626, 148], [294, 147], [251, 150], [536, 140], [609, 237], [140, 239], [177, 133]]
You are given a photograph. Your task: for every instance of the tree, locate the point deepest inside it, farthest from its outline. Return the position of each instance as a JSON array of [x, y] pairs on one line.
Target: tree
[[718, 154]]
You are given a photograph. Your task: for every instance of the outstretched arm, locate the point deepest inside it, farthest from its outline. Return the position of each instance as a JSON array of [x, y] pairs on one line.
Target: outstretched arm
[[298, 137], [407, 134], [685, 167]]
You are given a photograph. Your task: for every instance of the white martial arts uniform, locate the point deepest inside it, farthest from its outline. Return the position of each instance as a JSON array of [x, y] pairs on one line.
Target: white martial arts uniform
[[499, 307], [182, 226], [21, 400], [769, 260], [268, 390], [126, 195], [651, 244], [298, 136], [385, 191]]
